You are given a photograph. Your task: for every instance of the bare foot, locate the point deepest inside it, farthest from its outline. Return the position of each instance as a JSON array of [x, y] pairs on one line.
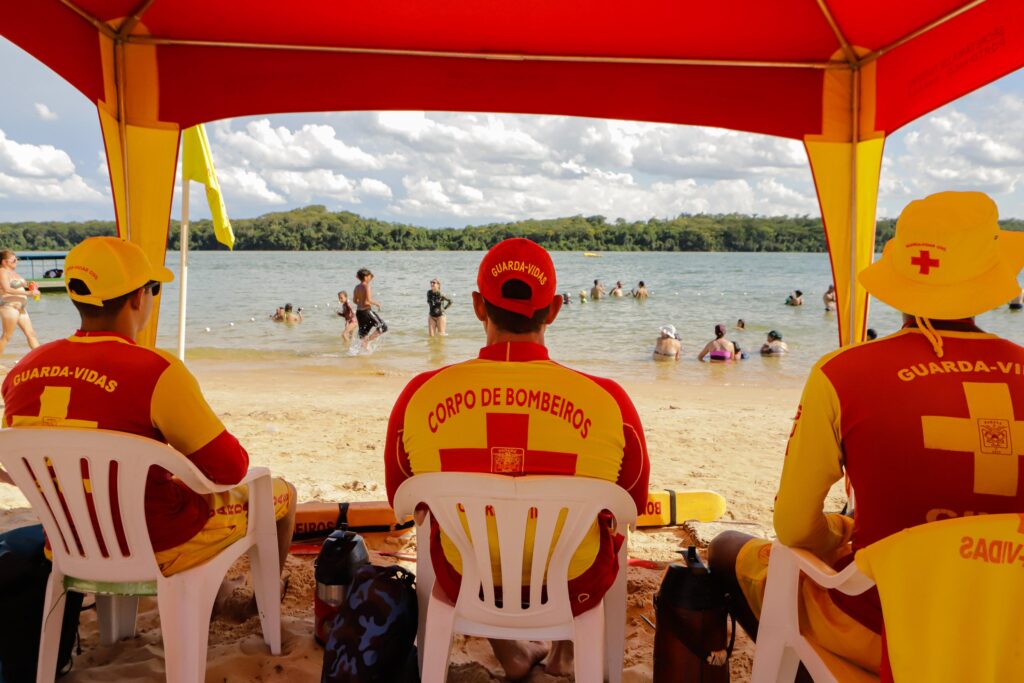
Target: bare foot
[[517, 657], [560, 660]]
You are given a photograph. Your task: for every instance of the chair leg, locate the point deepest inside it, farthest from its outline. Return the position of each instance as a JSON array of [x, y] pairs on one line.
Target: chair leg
[[588, 646], [53, 619], [441, 627], [424, 587], [615, 623], [266, 581], [116, 615], [774, 661], [185, 602]]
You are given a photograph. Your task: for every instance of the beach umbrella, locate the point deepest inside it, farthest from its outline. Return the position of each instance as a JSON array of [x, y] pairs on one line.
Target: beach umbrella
[[839, 75]]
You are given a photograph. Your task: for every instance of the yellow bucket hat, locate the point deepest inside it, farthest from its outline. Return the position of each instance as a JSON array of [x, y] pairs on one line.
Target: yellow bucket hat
[[110, 267], [948, 259]]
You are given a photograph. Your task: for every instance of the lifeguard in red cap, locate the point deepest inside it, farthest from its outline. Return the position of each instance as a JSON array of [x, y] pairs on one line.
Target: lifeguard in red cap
[[514, 411], [926, 422]]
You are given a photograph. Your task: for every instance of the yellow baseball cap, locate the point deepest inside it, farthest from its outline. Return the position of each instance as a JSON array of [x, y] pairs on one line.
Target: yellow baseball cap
[[948, 259], [110, 267]]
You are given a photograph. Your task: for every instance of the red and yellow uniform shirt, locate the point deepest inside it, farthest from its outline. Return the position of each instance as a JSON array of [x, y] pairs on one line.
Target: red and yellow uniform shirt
[[921, 439], [106, 381], [513, 411]]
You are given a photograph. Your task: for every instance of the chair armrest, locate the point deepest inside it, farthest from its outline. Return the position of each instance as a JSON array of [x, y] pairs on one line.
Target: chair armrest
[[850, 580], [253, 474], [250, 477]]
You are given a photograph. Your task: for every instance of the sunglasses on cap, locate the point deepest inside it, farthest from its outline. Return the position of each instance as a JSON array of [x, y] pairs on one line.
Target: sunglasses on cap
[[153, 286]]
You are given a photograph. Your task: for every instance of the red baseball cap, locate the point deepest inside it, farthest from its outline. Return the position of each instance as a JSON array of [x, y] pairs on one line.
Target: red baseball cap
[[521, 259]]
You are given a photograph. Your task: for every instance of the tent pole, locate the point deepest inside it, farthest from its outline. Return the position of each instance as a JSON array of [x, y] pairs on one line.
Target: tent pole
[[855, 139], [122, 133], [183, 281]]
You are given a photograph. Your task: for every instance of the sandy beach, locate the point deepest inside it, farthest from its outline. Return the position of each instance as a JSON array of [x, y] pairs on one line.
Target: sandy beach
[[323, 429]]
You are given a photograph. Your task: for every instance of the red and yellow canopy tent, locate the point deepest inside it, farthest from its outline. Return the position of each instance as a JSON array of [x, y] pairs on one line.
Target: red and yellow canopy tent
[[838, 75]]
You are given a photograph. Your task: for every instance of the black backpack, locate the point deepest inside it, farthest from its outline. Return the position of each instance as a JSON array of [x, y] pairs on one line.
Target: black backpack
[[24, 571], [372, 638]]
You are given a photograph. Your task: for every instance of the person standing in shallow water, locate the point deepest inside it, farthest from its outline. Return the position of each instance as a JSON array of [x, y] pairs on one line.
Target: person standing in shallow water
[[370, 323], [597, 291], [437, 304], [346, 311], [640, 293]]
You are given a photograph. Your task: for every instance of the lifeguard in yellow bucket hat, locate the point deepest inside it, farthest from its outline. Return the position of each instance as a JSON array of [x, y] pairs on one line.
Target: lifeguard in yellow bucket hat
[[902, 418]]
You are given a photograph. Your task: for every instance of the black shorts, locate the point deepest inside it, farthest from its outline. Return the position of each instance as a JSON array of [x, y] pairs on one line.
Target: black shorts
[[369, 321]]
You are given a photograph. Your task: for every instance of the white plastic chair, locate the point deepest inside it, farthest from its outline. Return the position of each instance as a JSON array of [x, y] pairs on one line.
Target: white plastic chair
[[118, 465], [598, 634], [780, 645]]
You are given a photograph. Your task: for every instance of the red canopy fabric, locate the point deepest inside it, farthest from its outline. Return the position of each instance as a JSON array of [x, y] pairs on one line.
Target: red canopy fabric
[[838, 74], [579, 57]]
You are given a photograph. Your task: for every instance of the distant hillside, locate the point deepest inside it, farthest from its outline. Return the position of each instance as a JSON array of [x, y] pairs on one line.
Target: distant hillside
[[314, 228]]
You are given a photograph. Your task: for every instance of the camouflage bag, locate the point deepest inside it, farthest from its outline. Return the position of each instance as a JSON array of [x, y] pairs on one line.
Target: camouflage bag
[[372, 638]]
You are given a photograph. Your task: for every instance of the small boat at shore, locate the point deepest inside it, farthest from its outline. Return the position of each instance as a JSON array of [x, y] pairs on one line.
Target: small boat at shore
[[46, 269], [592, 254]]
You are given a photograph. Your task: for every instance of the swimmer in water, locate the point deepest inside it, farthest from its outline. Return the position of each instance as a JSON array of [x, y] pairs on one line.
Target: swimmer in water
[[829, 299], [566, 299], [871, 334], [292, 316], [640, 293], [795, 299], [667, 346], [740, 325], [278, 315], [617, 291], [719, 348], [583, 296], [773, 345], [597, 291]]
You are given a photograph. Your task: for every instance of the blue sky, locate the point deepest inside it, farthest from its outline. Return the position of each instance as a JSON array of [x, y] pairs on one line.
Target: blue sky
[[450, 169]]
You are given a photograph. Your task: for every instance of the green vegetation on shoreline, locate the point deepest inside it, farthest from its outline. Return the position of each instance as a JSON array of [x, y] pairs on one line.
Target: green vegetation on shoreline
[[313, 228]]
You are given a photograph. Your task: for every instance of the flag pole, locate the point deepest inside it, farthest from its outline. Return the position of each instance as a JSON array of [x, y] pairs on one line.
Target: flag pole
[[183, 282]]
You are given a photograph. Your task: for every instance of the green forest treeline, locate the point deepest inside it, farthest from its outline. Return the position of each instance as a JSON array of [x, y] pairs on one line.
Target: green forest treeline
[[314, 228]]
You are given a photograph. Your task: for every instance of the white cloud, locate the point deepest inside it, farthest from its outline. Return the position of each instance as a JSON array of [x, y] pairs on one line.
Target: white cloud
[[33, 160], [69, 189], [312, 145], [41, 173], [371, 187], [971, 145], [44, 112], [239, 183]]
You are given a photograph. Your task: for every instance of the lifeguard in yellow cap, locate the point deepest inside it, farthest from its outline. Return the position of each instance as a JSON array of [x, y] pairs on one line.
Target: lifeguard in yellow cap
[[927, 423], [99, 378]]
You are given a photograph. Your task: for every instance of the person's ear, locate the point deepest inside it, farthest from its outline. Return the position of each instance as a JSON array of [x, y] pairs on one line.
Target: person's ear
[[479, 306], [556, 306], [135, 301]]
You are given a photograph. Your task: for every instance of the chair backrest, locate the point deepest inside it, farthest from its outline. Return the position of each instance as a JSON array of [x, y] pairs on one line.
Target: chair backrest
[[455, 498], [951, 595], [88, 487]]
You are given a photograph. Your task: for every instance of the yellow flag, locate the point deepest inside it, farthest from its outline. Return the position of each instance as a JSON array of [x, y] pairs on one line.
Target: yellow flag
[[197, 165]]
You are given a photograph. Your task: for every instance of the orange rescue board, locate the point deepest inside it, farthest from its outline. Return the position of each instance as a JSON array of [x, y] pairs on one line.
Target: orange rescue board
[[315, 521]]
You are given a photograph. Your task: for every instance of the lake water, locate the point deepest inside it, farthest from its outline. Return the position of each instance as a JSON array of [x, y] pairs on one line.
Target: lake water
[[232, 295]]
